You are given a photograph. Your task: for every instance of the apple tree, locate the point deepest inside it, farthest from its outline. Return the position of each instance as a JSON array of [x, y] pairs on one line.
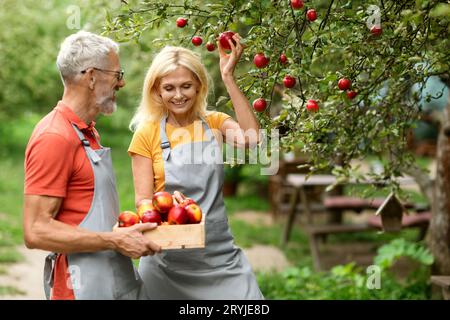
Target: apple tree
[[334, 77]]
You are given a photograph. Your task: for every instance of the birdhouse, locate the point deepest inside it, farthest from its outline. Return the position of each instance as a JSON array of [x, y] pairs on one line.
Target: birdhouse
[[391, 212]]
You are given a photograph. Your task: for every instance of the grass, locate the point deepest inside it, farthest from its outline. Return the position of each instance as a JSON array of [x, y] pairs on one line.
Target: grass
[[10, 291], [245, 202]]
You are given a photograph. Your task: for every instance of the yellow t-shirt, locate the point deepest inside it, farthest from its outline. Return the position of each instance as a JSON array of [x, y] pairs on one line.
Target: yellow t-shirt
[[147, 141]]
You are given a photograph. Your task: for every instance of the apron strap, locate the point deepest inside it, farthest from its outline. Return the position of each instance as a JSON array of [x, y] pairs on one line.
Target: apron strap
[[87, 146], [165, 144], [49, 269]]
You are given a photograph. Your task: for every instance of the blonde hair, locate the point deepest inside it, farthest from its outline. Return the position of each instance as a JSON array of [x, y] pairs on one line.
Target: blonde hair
[[151, 107]]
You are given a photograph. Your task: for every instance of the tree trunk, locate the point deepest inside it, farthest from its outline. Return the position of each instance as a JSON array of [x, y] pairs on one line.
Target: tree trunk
[[439, 232]]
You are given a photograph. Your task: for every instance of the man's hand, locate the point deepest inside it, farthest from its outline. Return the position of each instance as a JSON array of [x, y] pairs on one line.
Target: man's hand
[[131, 242]]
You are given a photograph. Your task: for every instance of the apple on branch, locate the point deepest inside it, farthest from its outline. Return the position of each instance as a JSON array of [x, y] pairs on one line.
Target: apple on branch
[[297, 4], [311, 15], [181, 22], [197, 41], [289, 81], [351, 94], [260, 60], [210, 46], [260, 104], [223, 39], [376, 30], [344, 84], [311, 105]]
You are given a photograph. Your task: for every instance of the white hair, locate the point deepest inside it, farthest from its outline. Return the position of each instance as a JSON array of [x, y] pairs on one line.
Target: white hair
[[83, 50]]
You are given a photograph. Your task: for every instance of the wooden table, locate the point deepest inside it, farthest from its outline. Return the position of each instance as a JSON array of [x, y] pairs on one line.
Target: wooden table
[[301, 180], [301, 183]]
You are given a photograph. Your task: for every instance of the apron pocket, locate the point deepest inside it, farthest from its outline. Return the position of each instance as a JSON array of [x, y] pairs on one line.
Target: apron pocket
[[125, 276], [221, 250], [185, 259]]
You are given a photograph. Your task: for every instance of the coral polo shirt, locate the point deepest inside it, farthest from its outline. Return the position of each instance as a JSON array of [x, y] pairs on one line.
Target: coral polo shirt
[[56, 165]]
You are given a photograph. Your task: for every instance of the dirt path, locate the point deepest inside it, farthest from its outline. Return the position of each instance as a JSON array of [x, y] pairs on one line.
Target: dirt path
[[262, 257], [25, 276]]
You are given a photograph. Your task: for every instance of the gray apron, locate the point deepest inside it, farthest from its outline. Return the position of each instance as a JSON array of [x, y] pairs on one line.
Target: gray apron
[[220, 270], [103, 275]]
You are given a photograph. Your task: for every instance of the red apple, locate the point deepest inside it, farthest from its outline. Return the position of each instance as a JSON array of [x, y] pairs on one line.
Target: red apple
[[177, 215], [283, 59], [182, 22], [311, 105], [151, 216], [351, 94], [224, 37], [376, 30], [297, 4], [128, 218], [289, 82], [144, 205], [210, 46], [260, 60], [344, 84], [311, 14], [194, 213], [162, 201], [260, 104], [197, 41]]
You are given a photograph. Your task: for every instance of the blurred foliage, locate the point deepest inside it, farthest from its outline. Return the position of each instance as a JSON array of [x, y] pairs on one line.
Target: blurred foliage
[[28, 50], [388, 254]]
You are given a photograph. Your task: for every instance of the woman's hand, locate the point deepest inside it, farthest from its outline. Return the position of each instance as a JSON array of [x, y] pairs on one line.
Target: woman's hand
[[228, 62], [178, 197]]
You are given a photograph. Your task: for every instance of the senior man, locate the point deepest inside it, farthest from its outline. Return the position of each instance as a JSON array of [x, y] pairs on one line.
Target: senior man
[[70, 201]]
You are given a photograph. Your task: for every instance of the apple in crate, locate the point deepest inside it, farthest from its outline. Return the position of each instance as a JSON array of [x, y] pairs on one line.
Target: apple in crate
[[194, 213], [151, 216], [128, 218], [162, 201], [177, 215], [143, 206]]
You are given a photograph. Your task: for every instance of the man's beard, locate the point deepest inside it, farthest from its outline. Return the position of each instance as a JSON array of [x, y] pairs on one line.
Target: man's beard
[[107, 105]]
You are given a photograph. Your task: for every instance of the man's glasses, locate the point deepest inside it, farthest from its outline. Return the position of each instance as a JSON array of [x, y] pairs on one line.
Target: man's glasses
[[119, 74]]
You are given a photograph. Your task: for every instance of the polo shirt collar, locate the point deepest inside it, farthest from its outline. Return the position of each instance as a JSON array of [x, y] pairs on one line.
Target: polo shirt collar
[[73, 118]]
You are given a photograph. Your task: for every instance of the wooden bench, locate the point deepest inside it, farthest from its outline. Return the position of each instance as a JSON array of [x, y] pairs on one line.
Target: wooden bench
[[339, 204], [444, 283], [316, 233]]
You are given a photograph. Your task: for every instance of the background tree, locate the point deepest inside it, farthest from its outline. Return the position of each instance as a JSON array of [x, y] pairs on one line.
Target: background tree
[[381, 47]]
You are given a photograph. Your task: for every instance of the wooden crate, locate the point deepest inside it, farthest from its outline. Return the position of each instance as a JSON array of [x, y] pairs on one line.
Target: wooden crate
[[182, 236]]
